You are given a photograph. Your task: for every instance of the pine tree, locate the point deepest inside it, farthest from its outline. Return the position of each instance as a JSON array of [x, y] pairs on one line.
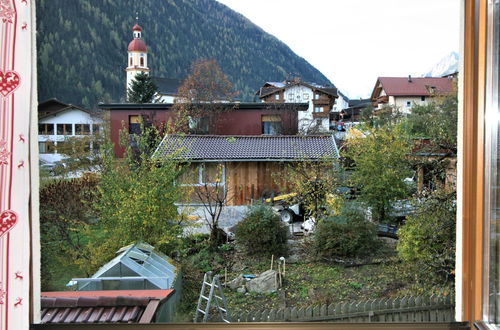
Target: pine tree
[[142, 89]]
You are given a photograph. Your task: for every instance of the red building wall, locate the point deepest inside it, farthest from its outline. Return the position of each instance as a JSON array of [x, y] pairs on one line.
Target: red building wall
[[245, 120]]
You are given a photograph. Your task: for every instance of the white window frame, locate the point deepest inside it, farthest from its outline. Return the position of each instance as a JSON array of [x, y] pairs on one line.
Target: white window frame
[[201, 167]]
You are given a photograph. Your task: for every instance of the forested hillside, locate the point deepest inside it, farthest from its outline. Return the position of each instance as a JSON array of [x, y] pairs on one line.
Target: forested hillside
[[82, 46]]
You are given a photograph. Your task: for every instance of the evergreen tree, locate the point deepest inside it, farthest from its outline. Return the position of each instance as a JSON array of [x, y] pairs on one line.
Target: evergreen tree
[[142, 89]]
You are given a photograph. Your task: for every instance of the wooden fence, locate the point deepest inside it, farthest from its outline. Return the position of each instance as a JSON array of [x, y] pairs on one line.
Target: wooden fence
[[406, 309]]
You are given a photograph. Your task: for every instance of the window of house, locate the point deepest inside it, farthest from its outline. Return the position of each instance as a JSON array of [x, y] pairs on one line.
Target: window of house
[[422, 98], [306, 96], [45, 129], [130, 61], [318, 109], [142, 61], [277, 97], [134, 124], [199, 125], [316, 96], [408, 104], [46, 147], [198, 174], [82, 129], [290, 96], [64, 129], [271, 124]]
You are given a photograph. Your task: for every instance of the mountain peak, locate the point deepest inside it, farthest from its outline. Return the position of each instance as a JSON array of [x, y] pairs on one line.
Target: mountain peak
[[447, 65]]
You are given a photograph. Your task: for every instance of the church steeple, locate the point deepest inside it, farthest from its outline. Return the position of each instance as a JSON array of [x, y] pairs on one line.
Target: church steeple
[[137, 55]]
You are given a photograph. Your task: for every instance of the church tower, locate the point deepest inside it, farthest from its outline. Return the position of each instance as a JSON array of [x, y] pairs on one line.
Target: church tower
[[137, 55]]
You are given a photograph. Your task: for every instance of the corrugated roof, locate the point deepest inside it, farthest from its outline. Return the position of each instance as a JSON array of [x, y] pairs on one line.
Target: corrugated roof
[[221, 147], [101, 306], [403, 86]]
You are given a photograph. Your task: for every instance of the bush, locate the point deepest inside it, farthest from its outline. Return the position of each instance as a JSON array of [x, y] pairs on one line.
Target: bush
[[427, 240], [346, 235], [261, 232]]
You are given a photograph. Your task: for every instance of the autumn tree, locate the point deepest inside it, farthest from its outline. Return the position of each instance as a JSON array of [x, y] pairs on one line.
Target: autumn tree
[[66, 210], [379, 166], [135, 201], [204, 94], [315, 183], [142, 89], [436, 121]]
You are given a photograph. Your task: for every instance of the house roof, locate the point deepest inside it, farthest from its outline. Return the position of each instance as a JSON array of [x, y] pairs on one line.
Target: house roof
[[130, 306], [168, 86], [409, 86], [137, 45], [53, 106], [247, 148], [270, 87]]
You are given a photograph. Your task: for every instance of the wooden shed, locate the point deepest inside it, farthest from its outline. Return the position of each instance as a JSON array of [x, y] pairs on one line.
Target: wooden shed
[[249, 168]]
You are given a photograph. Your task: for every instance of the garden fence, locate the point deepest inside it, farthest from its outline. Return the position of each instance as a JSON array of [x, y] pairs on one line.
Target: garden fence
[[407, 309]]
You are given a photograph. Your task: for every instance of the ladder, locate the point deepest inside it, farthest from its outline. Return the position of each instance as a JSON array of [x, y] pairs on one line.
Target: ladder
[[206, 299]]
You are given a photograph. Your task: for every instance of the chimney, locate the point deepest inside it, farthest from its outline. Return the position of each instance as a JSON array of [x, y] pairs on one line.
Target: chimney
[[409, 78]]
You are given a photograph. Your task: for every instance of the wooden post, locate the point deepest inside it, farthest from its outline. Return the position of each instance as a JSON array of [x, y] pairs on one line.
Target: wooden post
[[225, 277], [272, 259]]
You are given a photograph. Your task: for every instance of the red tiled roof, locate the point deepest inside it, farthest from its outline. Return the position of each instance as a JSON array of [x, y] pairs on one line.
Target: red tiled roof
[[128, 306], [137, 45], [401, 86], [137, 27]]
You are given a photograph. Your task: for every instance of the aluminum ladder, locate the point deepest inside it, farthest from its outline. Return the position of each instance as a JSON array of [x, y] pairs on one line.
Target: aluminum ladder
[[215, 295]]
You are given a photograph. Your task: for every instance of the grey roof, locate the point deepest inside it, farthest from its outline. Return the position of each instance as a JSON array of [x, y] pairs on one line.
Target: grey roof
[[167, 85], [248, 148]]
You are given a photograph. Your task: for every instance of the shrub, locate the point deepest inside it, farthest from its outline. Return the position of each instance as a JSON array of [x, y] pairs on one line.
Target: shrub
[[427, 240], [346, 235], [261, 232]]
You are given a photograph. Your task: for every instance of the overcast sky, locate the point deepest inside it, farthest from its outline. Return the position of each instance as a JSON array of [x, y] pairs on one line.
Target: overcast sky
[[352, 42]]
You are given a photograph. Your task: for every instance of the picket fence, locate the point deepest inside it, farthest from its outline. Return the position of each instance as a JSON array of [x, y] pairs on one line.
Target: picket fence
[[407, 309]]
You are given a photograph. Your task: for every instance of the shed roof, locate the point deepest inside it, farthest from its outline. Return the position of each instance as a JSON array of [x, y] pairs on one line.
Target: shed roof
[[247, 148], [131, 306]]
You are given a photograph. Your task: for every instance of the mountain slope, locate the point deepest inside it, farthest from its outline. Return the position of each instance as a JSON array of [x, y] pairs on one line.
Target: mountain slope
[[82, 46]]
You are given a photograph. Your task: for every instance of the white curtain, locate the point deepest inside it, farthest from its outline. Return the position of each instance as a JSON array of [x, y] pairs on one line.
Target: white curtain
[[18, 165]]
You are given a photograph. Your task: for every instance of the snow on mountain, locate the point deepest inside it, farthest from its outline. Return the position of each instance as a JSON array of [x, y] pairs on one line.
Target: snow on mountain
[[447, 65]]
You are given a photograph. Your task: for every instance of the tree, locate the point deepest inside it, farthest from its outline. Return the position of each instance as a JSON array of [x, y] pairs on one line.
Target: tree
[[437, 121], [213, 195], [203, 96], [315, 183], [135, 201], [66, 210], [380, 165], [142, 89], [427, 239]]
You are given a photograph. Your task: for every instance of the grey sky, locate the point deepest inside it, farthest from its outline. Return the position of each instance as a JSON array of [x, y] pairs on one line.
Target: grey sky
[[352, 42]]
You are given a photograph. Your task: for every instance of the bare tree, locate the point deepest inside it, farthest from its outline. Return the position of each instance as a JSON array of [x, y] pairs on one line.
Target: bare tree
[[214, 197], [203, 95]]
